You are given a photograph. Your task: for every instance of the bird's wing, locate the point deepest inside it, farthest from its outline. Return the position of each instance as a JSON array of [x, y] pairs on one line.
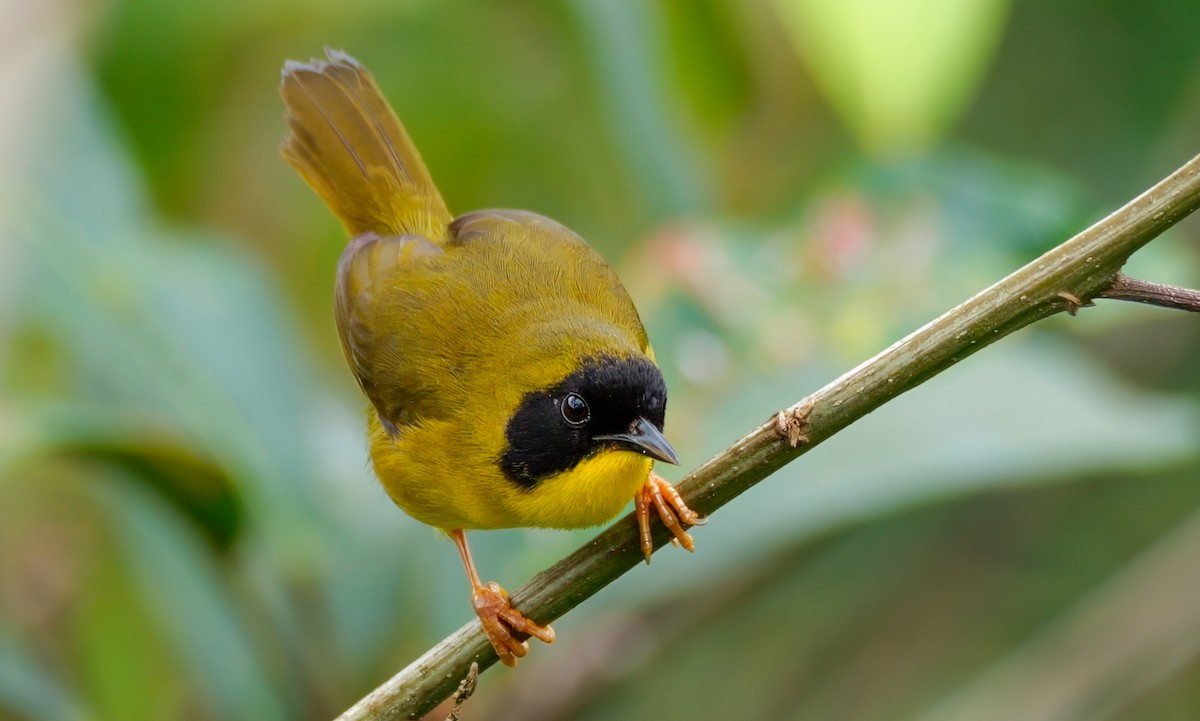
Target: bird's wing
[[375, 336]]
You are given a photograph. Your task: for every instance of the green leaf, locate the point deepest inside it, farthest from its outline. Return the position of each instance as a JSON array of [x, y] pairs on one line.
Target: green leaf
[[28, 691], [624, 40], [898, 73], [188, 596]]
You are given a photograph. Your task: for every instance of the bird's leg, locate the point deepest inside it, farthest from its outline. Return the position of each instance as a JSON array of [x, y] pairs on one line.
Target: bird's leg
[[501, 622], [671, 509]]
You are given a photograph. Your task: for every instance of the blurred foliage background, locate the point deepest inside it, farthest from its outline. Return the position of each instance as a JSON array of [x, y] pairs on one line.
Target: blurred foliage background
[[189, 528]]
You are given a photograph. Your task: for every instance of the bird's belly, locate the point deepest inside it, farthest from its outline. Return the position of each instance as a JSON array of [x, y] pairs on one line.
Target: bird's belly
[[427, 482]]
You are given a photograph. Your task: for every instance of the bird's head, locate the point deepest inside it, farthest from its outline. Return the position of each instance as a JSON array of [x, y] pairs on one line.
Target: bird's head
[[607, 404]]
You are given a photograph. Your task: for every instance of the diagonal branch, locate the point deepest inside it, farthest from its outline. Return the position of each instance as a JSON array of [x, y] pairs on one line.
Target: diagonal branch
[[1064, 279]]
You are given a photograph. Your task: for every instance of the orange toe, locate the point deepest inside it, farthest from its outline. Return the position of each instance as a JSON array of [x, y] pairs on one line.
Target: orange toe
[[671, 509], [504, 625]]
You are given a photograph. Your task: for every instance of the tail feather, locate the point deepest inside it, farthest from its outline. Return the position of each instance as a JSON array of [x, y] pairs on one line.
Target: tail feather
[[348, 144]]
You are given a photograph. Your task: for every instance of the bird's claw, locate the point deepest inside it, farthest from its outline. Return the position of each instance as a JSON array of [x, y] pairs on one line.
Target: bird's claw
[[671, 509], [503, 624]]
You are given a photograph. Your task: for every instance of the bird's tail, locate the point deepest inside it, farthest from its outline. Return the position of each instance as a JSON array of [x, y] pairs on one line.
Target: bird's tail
[[348, 144]]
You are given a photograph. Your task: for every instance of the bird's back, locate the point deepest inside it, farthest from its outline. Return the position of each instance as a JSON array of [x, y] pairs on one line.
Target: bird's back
[[510, 296]]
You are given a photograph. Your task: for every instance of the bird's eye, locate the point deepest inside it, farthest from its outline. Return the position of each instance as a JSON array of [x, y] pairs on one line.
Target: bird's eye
[[575, 409]]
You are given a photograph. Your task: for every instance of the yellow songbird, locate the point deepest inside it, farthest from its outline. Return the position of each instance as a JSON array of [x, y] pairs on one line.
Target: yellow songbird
[[510, 379]]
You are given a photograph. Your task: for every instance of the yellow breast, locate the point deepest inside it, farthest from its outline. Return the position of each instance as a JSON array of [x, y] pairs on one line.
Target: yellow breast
[[449, 487], [591, 493]]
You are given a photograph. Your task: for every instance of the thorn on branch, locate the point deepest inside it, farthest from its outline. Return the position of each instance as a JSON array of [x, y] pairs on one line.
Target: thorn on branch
[[792, 424], [1073, 302], [1140, 291], [465, 689]]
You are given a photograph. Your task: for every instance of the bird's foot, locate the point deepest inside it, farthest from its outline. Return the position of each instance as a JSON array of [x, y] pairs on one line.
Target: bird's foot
[[675, 514], [502, 623]]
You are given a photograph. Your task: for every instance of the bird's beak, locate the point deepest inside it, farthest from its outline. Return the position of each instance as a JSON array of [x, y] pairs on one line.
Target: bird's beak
[[645, 438]]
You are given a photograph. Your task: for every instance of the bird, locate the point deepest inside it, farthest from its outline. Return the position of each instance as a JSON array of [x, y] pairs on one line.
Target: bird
[[509, 379]]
